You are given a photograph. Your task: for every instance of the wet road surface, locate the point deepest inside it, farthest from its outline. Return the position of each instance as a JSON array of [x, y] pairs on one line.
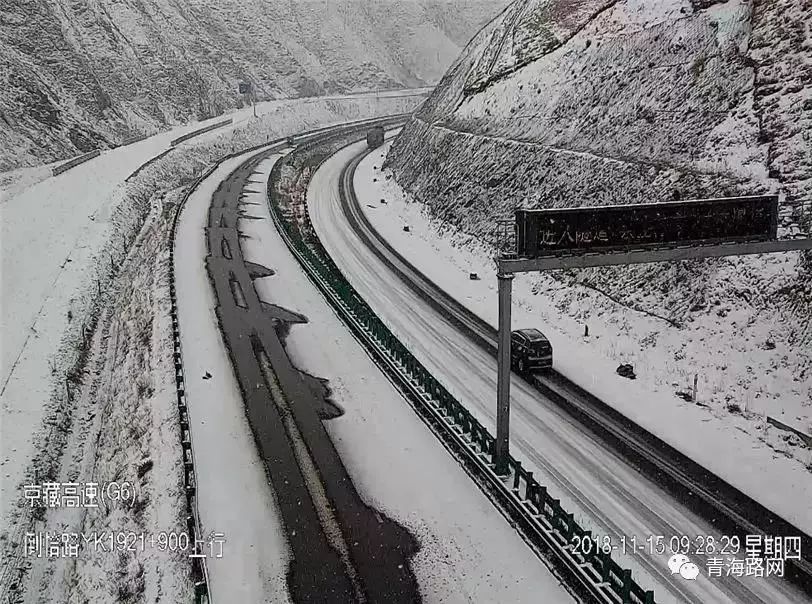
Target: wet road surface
[[343, 550]]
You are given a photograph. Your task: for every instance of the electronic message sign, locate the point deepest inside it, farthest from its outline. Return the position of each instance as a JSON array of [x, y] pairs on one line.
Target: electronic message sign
[[585, 229]]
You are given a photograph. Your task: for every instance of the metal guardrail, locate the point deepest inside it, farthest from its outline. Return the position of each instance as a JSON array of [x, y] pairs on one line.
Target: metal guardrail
[[336, 129], [200, 574], [200, 131], [80, 159], [540, 516], [807, 438], [148, 163]]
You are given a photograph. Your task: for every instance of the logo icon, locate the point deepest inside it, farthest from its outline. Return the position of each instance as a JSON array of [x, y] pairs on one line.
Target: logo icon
[[680, 563]]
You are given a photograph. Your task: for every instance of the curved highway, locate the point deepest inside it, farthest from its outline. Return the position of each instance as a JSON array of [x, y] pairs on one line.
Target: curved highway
[[595, 483], [341, 546]]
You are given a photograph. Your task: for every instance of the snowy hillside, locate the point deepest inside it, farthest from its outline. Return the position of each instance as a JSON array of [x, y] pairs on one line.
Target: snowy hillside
[[104, 408], [593, 102], [85, 74]]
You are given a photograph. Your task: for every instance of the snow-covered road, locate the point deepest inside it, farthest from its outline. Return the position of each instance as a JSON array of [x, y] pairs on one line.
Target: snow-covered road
[[51, 232], [52, 229], [604, 492]]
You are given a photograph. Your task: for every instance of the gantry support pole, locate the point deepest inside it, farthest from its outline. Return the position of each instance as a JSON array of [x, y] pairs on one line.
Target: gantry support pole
[[502, 447]]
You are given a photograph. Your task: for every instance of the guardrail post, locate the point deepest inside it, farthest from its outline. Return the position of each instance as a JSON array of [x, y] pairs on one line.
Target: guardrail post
[[502, 445], [555, 521], [568, 533], [517, 475], [586, 553], [626, 590], [606, 569], [466, 421], [529, 483]]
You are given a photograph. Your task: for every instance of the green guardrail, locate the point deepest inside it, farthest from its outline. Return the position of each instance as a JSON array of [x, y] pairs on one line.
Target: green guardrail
[[544, 520]]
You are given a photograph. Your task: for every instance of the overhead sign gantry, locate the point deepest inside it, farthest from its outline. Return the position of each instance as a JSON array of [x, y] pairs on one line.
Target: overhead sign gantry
[[539, 232], [550, 239]]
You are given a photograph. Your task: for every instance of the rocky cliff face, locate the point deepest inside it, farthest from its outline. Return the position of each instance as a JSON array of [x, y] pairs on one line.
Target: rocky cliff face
[[607, 101], [86, 74], [593, 102]]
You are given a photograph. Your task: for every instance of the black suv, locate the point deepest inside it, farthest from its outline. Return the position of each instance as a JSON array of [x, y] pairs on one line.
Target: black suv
[[530, 351]]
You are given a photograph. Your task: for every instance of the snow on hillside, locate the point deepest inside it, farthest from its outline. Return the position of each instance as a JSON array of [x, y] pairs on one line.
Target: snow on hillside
[[98, 409], [89, 74], [768, 464], [561, 103]]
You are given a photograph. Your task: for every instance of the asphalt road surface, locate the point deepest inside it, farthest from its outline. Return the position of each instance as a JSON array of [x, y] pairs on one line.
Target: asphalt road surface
[[342, 549]]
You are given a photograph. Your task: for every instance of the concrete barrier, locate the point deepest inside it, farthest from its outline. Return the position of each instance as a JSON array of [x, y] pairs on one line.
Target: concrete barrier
[[200, 131], [74, 162], [147, 164], [133, 139]]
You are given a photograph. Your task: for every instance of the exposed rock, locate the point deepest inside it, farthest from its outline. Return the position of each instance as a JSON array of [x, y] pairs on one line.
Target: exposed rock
[[86, 74], [662, 103]]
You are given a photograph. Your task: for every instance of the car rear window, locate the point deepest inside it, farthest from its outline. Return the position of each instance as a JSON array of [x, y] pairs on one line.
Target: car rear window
[[541, 347]]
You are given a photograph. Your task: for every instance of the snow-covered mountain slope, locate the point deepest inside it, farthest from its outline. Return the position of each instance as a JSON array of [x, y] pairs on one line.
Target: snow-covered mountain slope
[[84, 74], [593, 102], [654, 94]]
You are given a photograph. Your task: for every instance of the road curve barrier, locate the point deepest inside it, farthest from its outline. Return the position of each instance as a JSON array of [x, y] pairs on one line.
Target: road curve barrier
[[200, 131], [133, 139], [539, 517], [80, 159]]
